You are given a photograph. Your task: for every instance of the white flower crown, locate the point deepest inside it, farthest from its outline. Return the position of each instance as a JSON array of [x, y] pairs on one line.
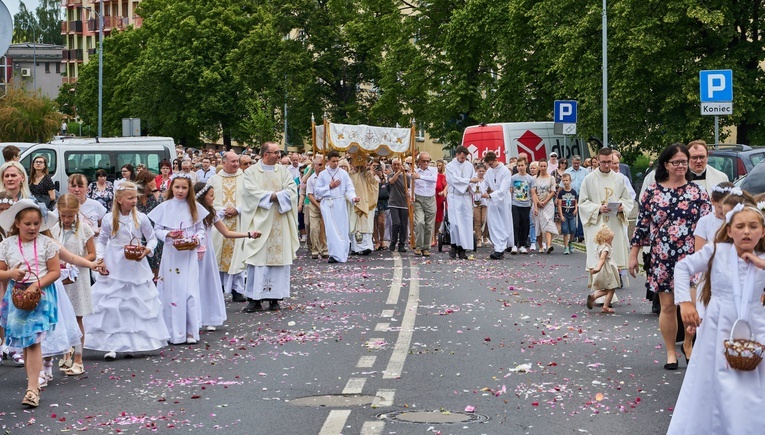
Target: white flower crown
[[180, 175], [736, 191], [204, 190], [720, 189], [7, 201]]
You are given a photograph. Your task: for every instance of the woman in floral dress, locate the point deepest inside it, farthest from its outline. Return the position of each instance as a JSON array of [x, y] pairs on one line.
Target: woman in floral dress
[[669, 211]]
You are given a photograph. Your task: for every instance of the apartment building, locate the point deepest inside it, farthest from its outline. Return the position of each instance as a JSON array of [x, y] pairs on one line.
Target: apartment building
[[34, 67], [80, 29]]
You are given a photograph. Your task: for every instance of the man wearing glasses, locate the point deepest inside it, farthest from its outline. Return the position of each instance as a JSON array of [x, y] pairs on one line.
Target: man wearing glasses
[[605, 199], [701, 173], [424, 182]]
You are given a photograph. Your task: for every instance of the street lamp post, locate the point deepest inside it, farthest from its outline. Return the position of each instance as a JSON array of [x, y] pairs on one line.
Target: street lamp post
[[34, 54], [605, 76], [100, 62]]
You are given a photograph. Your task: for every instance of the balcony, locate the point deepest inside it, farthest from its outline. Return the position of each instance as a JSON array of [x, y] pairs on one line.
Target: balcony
[[110, 23], [70, 80], [71, 3], [71, 55], [92, 51]]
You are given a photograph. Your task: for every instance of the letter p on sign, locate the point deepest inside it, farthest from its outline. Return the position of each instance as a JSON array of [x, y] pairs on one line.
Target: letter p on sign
[[565, 111], [716, 86]]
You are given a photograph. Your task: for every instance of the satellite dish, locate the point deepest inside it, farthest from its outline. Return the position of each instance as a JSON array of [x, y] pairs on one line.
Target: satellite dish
[[6, 28]]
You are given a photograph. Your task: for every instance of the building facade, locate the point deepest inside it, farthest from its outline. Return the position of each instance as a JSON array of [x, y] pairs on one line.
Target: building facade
[[80, 29], [35, 67]]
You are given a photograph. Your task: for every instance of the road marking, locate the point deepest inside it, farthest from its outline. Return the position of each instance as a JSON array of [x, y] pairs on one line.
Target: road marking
[[354, 386], [383, 398], [335, 422], [376, 343], [372, 428], [404, 341], [387, 313], [395, 286], [366, 362], [382, 327]]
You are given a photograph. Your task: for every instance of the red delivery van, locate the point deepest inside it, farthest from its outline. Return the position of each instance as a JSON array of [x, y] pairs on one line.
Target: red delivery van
[[510, 139]]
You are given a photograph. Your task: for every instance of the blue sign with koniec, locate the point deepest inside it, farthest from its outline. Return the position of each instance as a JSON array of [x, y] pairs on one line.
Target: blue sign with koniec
[[716, 86], [565, 111]]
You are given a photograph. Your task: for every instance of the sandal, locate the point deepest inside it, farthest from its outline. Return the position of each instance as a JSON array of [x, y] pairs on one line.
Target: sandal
[[607, 311], [31, 398], [76, 370], [65, 363]]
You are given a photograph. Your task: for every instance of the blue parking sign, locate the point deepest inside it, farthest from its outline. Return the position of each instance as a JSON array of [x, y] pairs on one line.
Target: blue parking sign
[[565, 111], [716, 86]]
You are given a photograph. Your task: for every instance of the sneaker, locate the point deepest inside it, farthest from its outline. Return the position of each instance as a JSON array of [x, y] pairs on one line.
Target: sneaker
[[392, 247], [211, 328], [566, 251], [523, 250], [544, 247], [497, 255], [514, 251], [191, 340], [110, 356], [570, 247], [532, 248]]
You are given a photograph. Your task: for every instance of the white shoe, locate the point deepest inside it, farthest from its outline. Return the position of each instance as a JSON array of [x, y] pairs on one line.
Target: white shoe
[[523, 250], [191, 341], [17, 358], [544, 247], [211, 328], [110, 356], [514, 251], [532, 248], [42, 379]]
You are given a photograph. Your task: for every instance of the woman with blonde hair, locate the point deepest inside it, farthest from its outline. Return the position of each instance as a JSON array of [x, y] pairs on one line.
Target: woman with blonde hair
[[15, 181]]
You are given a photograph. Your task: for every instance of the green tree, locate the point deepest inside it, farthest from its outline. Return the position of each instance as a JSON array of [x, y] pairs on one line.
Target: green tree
[[44, 23], [27, 117]]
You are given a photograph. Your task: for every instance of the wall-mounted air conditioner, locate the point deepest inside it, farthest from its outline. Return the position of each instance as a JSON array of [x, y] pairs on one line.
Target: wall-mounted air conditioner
[[26, 72]]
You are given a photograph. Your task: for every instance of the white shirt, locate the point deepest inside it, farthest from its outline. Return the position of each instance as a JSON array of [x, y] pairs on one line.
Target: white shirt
[[203, 176], [426, 184], [93, 212], [707, 227], [310, 184], [552, 167], [294, 170]]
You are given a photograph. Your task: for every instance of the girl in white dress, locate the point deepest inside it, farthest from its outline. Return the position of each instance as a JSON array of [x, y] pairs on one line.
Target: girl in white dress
[[127, 312], [78, 239], [179, 219], [715, 398], [22, 254], [212, 305], [605, 274]]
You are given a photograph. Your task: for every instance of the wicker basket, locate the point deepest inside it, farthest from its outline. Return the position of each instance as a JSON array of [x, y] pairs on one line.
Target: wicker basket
[[134, 252], [743, 354], [23, 298], [186, 244], [68, 277]]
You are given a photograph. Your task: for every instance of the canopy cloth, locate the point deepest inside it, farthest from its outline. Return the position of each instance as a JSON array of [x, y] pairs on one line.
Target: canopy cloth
[[382, 141]]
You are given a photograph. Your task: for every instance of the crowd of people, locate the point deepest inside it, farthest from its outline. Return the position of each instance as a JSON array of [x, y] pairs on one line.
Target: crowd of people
[[142, 262]]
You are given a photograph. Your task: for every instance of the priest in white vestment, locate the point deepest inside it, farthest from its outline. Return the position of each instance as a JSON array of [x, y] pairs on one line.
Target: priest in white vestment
[[499, 205], [269, 206], [362, 222], [599, 188], [229, 186], [459, 174], [335, 190]]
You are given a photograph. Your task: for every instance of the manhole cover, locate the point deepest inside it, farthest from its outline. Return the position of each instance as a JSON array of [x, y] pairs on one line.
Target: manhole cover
[[333, 400], [434, 417]]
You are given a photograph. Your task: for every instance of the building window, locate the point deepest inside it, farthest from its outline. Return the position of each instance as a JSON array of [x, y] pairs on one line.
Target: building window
[[58, 68], [47, 67]]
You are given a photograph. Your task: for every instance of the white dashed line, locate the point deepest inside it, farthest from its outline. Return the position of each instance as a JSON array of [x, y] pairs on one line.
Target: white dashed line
[[387, 313], [366, 362], [372, 428], [382, 327], [354, 386], [395, 286], [400, 351], [335, 422], [383, 398]]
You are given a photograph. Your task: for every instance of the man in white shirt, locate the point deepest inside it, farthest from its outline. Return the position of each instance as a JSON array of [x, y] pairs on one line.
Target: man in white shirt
[[335, 190], [204, 174], [294, 166], [186, 167], [424, 182]]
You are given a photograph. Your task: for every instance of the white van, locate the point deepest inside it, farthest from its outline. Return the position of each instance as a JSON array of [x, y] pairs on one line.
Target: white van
[[69, 156], [510, 139]]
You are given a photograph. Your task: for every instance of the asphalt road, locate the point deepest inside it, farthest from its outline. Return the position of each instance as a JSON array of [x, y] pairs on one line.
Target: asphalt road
[[509, 341]]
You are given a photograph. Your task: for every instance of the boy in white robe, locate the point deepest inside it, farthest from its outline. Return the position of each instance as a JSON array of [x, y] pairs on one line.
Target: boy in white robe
[[335, 189], [459, 174], [499, 201]]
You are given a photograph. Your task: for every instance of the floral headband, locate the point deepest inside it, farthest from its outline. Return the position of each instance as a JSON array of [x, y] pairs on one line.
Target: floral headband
[[761, 206], [204, 190], [123, 187], [739, 207], [736, 191], [180, 175], [720, 189], [7, 201]]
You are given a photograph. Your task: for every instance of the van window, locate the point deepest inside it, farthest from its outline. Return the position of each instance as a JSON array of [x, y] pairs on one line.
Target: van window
[[85, 162], [50, 156], [149, 158]]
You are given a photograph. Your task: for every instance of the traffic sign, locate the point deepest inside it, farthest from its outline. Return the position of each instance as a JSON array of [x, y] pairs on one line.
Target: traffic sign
[[716, 86], [565, 111]]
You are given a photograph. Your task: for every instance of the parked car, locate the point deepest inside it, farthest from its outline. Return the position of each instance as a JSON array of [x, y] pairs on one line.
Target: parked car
[[735, 160], [754, 182]]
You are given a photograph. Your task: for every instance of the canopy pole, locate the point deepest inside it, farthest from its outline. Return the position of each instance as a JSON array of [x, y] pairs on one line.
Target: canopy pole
[[411, 194]]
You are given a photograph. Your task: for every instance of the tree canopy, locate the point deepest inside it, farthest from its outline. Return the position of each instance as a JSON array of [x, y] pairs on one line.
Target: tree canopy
[[44, 23], [202, 69], [27, 116]]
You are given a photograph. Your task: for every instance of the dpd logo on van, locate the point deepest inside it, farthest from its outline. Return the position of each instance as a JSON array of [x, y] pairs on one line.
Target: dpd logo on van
[[532, 145]]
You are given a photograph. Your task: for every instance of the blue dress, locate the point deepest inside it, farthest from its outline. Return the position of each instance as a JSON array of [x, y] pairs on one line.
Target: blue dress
[[25, 328]]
